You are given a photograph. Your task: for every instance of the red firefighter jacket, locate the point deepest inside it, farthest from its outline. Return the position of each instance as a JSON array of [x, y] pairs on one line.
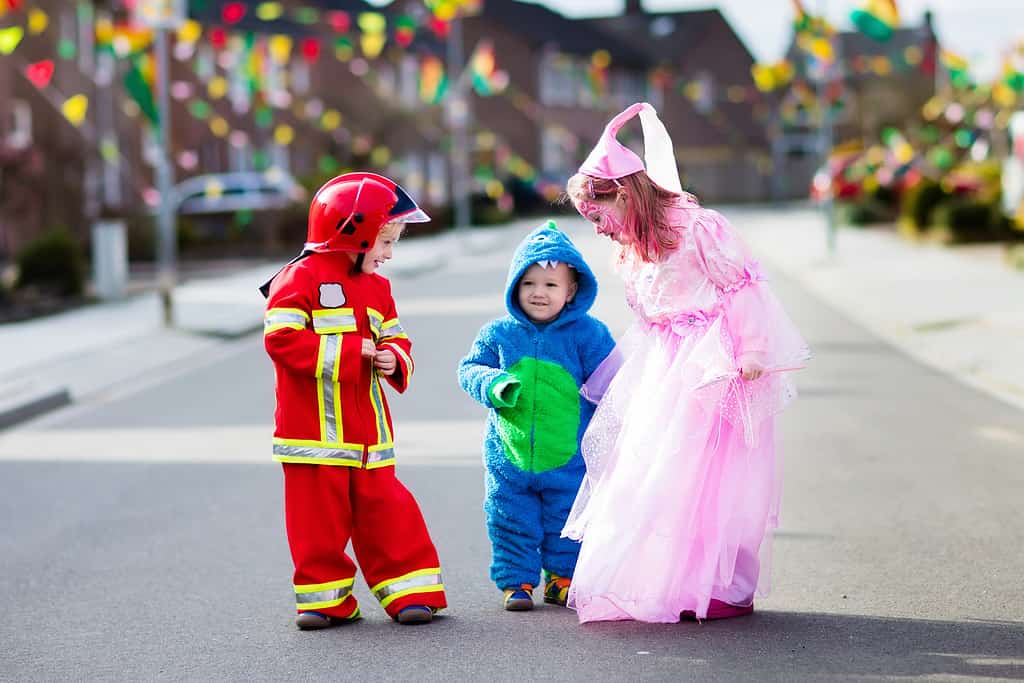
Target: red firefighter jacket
[[331, 408]]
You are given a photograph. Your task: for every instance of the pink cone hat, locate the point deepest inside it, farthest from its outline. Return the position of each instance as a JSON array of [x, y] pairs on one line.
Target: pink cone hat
[[610, 159]]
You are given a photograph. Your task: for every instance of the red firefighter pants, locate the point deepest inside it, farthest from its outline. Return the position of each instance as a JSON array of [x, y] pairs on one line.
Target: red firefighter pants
[[325, 507]]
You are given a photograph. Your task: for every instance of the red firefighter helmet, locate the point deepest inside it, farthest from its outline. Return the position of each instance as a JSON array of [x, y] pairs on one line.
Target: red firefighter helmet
[[349, 211]]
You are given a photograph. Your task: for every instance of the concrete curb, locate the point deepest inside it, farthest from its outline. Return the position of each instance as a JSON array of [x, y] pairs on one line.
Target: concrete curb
[[33, 404]]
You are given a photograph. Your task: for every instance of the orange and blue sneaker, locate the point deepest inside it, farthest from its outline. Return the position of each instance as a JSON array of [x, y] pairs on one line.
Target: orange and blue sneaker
[[314, 621], [519, 599], [556, 588]]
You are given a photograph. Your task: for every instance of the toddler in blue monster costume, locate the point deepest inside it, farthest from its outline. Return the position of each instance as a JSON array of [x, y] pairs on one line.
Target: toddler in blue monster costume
[[527, 367]]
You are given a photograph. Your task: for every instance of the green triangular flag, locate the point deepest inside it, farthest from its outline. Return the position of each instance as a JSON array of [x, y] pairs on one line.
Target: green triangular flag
[[140, 91]]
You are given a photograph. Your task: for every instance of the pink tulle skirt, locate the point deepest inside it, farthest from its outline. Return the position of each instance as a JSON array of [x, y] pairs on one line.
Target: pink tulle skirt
[[683, 476]]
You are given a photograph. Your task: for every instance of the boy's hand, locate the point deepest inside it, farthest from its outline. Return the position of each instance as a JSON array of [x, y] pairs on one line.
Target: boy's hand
[[369, 349], [385, 361]]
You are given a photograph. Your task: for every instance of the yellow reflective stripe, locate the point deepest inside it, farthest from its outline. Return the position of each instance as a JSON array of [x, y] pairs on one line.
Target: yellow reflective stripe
[[392, 329], [295, 450], [321, 362], [269, 329], [436, 588], [383, 463], [380, 455], [421, 581], [284, 318], [377, 403], [327, 585], [302, 460], [334, 320], [320, 595], [313, 443], [298, 312], [406, 358], [376, 321], [327, 399]]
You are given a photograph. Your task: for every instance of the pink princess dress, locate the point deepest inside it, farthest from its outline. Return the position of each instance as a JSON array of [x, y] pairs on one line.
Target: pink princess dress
[[683, 479]]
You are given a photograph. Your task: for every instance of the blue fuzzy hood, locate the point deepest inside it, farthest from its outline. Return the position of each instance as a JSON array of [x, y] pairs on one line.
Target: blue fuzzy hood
[[548, 243]]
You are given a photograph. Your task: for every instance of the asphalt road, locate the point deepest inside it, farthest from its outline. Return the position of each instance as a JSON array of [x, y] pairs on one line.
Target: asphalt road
[[142, 538]]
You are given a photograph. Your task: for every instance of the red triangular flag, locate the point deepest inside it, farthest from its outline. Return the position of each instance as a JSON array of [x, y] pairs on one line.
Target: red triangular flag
[[40, 73]]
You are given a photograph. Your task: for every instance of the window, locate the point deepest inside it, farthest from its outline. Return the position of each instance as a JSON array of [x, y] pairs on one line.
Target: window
[[412, 175], [437, 179], [240, 156], [704, 98], [558, 85], [279, 157], [86, 36], [19, 128], [628, 87], [555, 155], [386, 81], [238, 91], [68, 33], [300, 76], [408, 85]]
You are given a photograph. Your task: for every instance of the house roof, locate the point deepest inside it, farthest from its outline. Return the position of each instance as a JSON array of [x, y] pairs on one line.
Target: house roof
[[540, 26], [856, 44], [691, 43], [664, 37]]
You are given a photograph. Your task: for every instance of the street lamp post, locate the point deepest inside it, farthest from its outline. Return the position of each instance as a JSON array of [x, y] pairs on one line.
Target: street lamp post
[[458, 122], [167, 249], [825, 132]]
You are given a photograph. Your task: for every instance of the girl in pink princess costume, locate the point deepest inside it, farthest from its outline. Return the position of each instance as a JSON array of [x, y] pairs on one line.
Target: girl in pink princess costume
[[683, 482]]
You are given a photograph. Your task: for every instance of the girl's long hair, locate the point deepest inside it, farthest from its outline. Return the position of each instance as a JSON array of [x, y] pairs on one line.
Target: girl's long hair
[[647, 206]]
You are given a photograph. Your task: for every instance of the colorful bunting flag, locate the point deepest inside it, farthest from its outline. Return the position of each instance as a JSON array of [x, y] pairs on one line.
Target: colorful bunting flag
[[876, 18], [40, 73], [75, 108]]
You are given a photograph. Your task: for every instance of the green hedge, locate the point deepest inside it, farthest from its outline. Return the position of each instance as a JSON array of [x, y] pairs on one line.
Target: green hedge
[[966, 220], [919, 202], [53, 262]]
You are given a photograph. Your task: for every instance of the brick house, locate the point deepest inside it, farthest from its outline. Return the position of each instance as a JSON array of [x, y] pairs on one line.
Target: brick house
[[883, 84], [721, 143]]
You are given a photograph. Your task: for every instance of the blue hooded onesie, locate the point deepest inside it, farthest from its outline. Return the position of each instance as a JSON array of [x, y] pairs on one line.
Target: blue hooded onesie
[[529, 375]]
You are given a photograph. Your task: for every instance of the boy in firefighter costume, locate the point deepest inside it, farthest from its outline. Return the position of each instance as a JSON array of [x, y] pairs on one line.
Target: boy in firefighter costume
[[333, 333], [527, 367]]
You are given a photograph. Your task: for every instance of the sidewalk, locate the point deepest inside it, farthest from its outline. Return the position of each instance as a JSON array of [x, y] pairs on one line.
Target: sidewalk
[[57, 360], [958, 310]]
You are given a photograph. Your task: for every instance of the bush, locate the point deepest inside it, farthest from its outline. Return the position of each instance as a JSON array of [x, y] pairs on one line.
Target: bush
[[1015, 256], [918, 204], [964, 220], [863, 212], [53, 262]]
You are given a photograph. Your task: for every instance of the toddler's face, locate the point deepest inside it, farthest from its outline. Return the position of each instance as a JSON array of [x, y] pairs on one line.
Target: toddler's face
[[382, 249], [607, 217], [543, 292]]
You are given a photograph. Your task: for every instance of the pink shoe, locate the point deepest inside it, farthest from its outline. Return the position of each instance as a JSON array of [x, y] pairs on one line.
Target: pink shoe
[[720, 610]]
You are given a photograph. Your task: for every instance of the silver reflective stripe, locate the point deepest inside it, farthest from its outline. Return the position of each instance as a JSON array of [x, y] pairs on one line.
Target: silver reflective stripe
[[394, 330], [323, 596], [406, 584], [327, 385], [376, 324], [378, 405], [330, 321], [318, 452], [283, 319], [380, 456]]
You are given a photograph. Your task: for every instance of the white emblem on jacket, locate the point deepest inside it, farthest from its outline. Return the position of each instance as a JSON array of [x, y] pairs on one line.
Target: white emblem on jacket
[[331, 295]]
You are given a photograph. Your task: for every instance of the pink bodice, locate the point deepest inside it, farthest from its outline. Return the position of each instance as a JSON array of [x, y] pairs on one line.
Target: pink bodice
[[709, 264]]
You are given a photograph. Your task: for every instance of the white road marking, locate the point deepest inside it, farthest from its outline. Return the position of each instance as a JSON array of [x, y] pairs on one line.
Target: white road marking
[[455, 442]]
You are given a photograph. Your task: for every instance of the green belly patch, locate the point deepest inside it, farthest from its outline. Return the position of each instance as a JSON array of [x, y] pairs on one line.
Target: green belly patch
[[539, 432]]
